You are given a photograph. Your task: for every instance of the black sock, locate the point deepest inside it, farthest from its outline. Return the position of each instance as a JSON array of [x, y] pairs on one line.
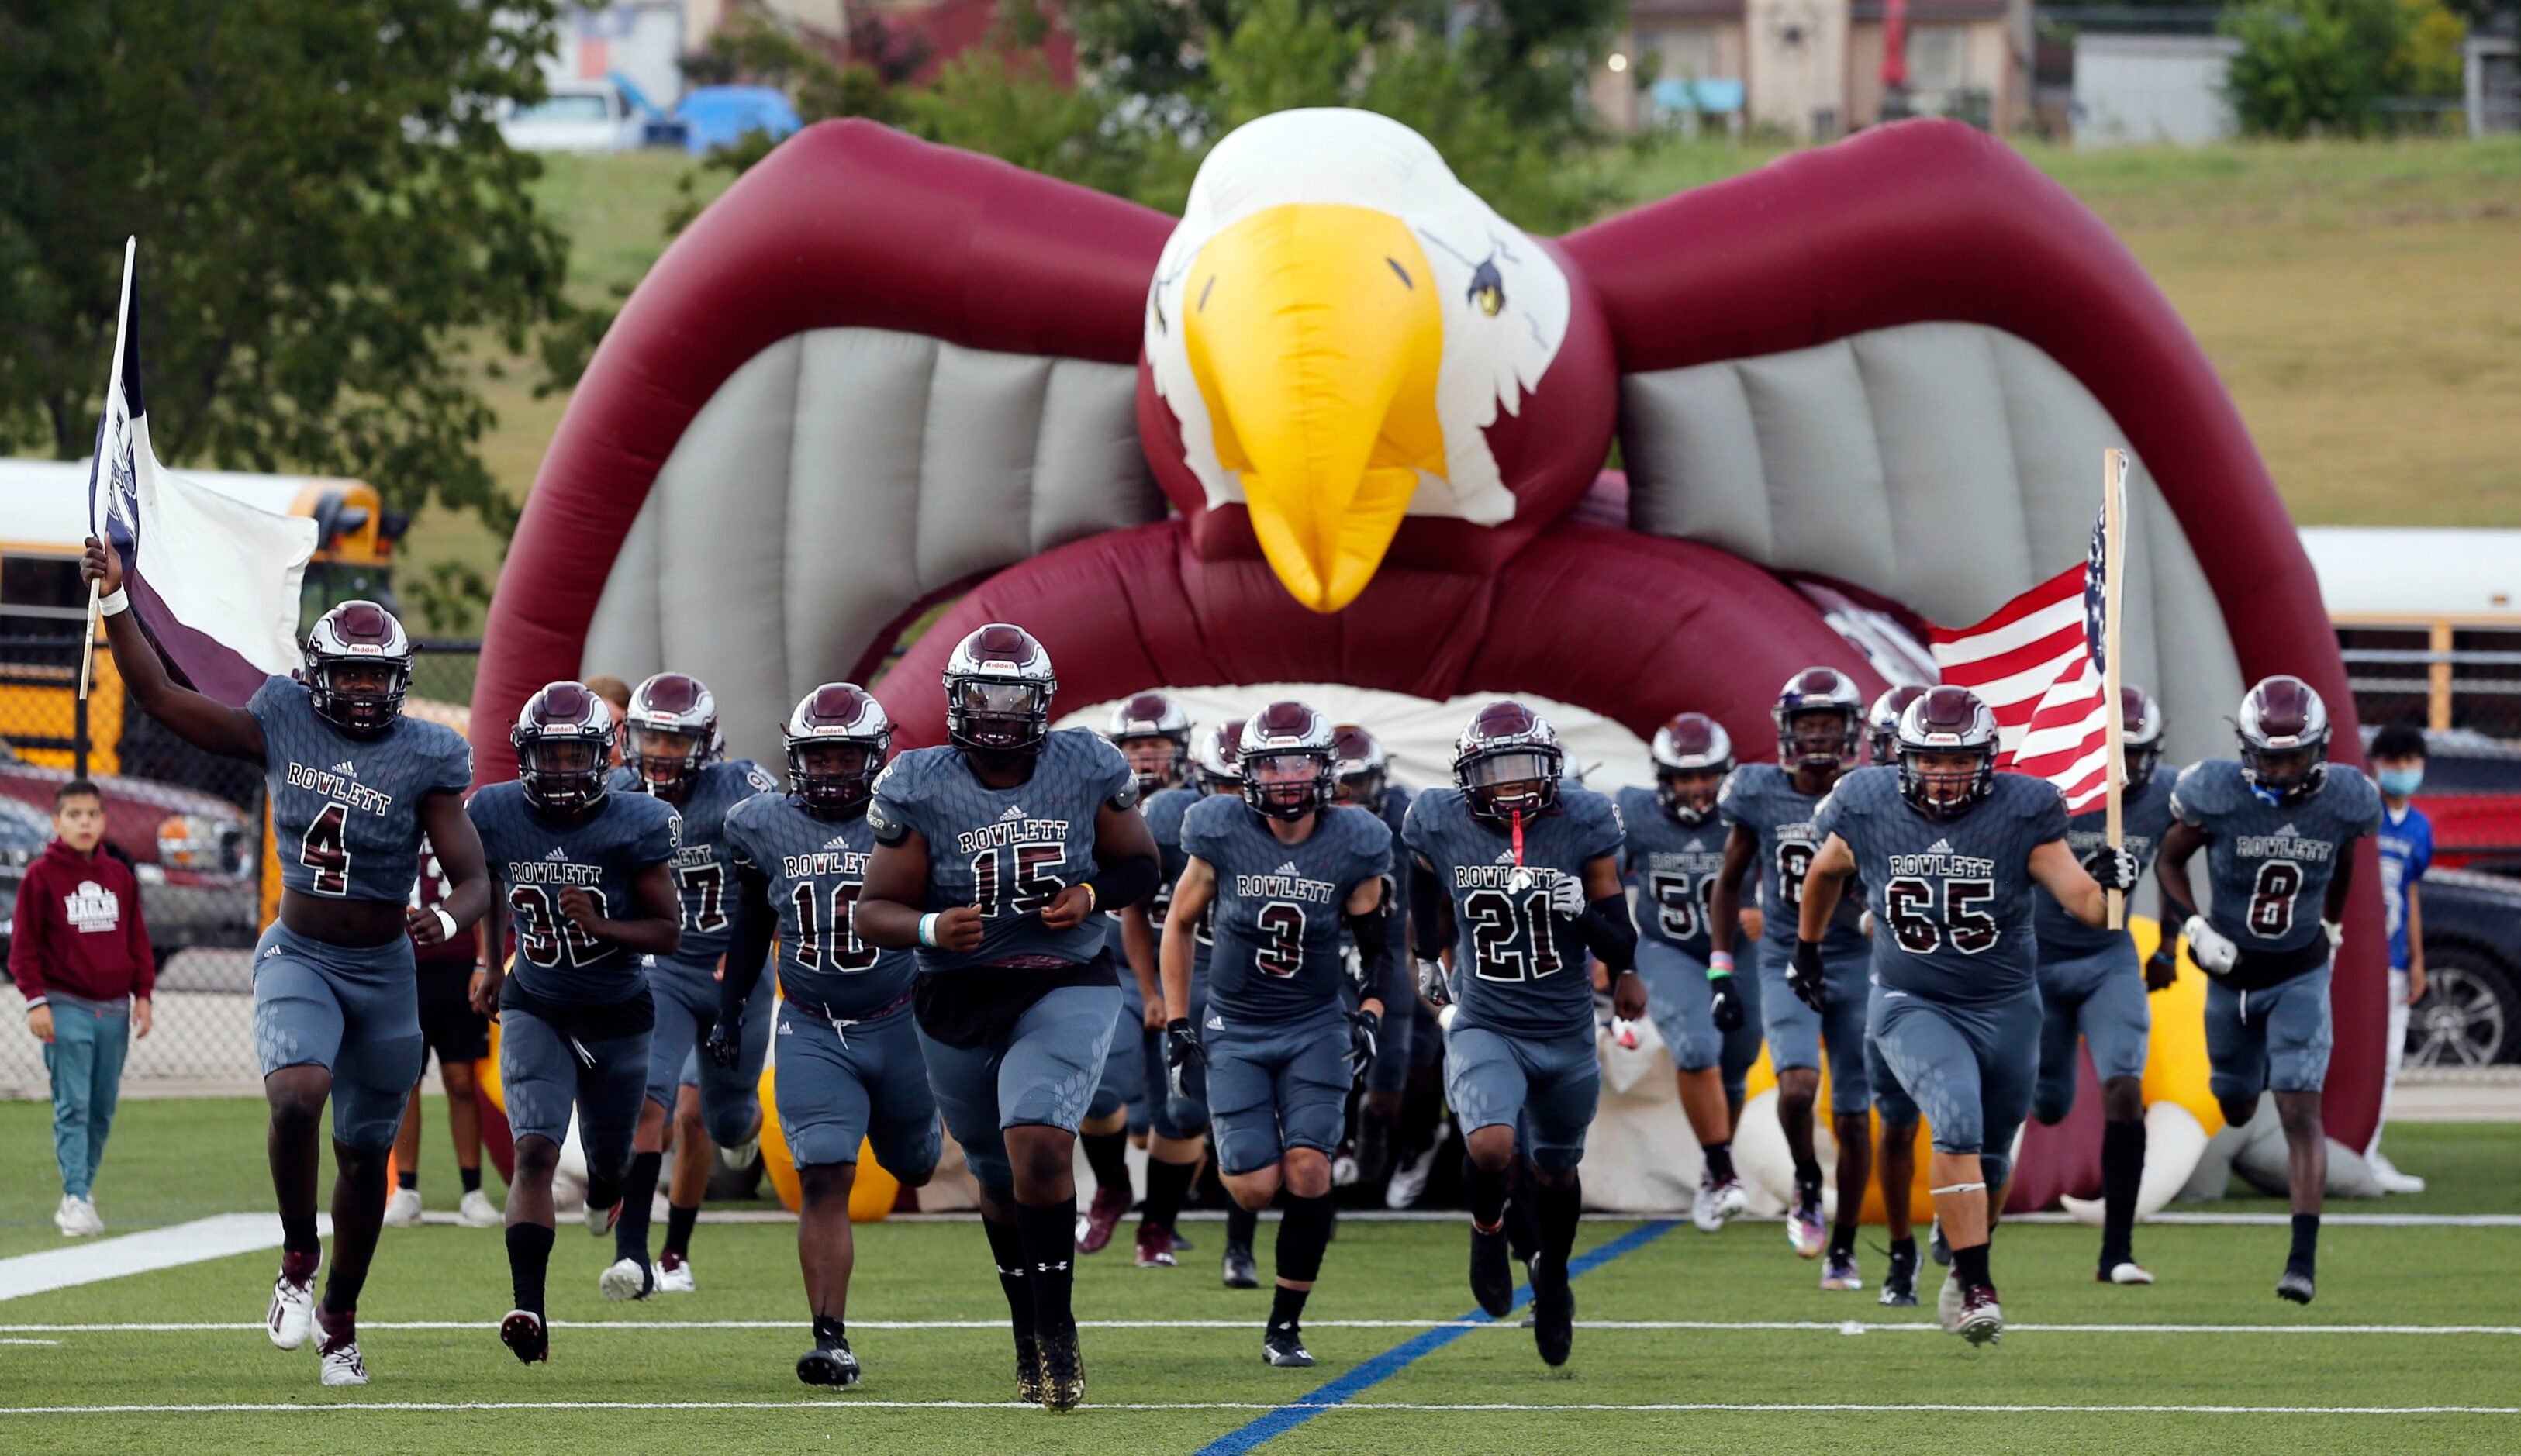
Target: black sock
[[678, 1228], [2122, 1174], [1486, 1192], [1719, 1158], [530, 1247], [471, 1178], [1904, 1249], [1006, 1247], [406, 1177], [2305, 1244], [1108, 1154], [1969, 1266], [298, 1235], [1842, 1241], [1242, 1224], [1559, 1208], [1166, 1183], [1807, 1177], [639, 1195], [829, 1331], [1287, 1305], [1522, 1217], [1302, 1231], [602, 1193], [1049, 1236]]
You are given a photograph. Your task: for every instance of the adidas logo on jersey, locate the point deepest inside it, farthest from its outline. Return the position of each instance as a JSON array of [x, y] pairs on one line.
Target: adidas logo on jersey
[[1939, 847], [558, 855], [346, 767], [786, 1029], [1288, 867], [2288, 833], [837, 841], [1014, 812], [1505, 856], [1216, 1023]]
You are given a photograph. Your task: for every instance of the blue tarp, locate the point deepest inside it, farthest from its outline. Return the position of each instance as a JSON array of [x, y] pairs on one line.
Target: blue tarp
[[714, 115]]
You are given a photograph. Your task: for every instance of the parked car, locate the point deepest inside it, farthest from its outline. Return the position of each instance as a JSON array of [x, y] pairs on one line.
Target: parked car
[[576, 117], [194, 854], [24, 833], [2471, 1011]]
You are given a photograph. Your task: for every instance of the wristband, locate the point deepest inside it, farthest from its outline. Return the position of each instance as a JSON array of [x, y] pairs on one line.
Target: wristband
[[445, 921], [1720, 964], [113, 603], [928, 930], [1091, 898]]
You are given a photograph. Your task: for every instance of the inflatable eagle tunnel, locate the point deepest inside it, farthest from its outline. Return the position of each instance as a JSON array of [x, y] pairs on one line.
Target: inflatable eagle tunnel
[[1343, 424]]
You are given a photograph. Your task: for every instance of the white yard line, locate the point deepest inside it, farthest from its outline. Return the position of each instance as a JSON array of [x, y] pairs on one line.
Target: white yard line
[[215, 1237], [824, 1408], [1844, 1327]]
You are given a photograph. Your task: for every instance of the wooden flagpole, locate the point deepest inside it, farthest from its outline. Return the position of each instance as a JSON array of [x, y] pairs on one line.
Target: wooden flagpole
[[2114, 464]]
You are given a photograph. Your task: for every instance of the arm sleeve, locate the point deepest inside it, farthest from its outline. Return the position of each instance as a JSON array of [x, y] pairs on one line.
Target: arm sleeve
[[756, 924], [1372, 931], [1609, 933], [1123, 883], [1427, 905]]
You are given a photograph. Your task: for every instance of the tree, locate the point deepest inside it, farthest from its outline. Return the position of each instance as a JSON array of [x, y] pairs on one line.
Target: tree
[[2318, 65], [328, 219]]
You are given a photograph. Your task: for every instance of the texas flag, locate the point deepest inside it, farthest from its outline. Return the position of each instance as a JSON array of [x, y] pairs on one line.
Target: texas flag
[[214, 580]]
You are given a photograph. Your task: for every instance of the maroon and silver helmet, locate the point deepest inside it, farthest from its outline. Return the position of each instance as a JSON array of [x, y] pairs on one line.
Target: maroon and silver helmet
[[358, 668], [667, 707], [1215, 760], [1289, 755], [1946, 721], [1152, 717], [563, 741], [998, 687], [1882, 723], [1816, 691], [2139, 735], [838, 739], [1508, 762], [1695, 745], [1365, 769], [2285, 739]]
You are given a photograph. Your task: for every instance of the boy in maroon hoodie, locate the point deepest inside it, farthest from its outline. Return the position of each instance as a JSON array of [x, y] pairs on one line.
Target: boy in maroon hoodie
[[80, 956]]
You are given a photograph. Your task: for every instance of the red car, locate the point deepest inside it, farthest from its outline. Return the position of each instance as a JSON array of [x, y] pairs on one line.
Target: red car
[[194, 853]]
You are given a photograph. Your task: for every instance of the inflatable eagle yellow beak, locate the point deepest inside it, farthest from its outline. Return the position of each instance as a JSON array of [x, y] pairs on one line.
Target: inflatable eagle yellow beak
[[1335, 324]]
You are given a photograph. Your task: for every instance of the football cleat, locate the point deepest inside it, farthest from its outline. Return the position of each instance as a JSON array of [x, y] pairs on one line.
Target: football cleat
[[1980, 1321], [477, 1211], [2295, 1285], [1947, 1304], [402, 1210], [337, 1352], [1553, 1314], [1028, 1370], [741, 1157], [1939, 1247], [522, 1332], [674, 1274], [1094, 1227], [1804, 1229], [1238, 1269], [626, 1279], [1155, 1247], [293, 1306], [1491, 1270], [1839, 1272], [600, 1221], [1899, 1282], [829, 1364], [1062, 1371], [2125, 1271], [1409, 1180], [1717, 1200], [1284, 1347]]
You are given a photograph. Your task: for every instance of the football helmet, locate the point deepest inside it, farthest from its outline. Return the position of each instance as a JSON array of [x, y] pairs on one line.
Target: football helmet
[[671, 706], [358, 668], [1695, 746], [1152, 717], [2283, 728], [563, 741], [1809, 694], [1881, 722], [1365, 769], [1508, 762], [2139, 735], [836, 740], [1215, 761], [998, 687], [1289, 755], [1946, 721]]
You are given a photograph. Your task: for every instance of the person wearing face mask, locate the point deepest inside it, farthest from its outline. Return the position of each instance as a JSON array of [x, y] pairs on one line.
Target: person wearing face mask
[[2406, 842]]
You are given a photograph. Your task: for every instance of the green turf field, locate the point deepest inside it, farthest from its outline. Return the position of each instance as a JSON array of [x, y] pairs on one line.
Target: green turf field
[[1185, 1370]]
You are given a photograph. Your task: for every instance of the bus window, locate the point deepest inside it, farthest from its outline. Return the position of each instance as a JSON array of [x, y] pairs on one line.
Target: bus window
[[40, 595]]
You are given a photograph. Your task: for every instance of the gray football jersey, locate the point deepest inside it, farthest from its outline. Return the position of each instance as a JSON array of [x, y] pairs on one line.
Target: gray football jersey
[[1010, 851], [1951, 897], [1165, 811], [1762, 799], [535, 859], [2268, 865], [345, 810], [1278, 905], [815, 867], [1674, 868], [1527, 966], [2144, 818], [703, 876]]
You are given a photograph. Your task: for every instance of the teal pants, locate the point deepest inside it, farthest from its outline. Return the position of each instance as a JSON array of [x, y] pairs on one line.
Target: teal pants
[[85, 1058]]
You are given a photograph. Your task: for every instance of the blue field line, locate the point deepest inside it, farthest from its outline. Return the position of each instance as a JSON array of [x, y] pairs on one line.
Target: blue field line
[[1383, 1367]]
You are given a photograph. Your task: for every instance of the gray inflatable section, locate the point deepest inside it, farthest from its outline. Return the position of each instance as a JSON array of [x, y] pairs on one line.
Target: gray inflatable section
[[1949, 467], [840, 476]]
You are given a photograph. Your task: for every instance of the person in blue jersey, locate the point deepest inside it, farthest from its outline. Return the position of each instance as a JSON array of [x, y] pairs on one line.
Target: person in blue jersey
[[2406, 842], [352, 784], [849, 1069], [1153, 733], [671, 751], [1279, 875], [1397, 1116], [1820, 720], [588, 885], [2278, 826], [994, 851], [1527, 867], [1894, 1149], [1950, 852], [2092, 991], [1708, 1018]]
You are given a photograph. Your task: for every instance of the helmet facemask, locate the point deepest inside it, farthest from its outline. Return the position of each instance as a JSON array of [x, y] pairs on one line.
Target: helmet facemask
[[563, 773], [361, 696], [2284, 774], [835, 777], [666, 761], [1157, 760], [1289, 785], [998, 715], [1946, 783], [1688, 795], [1520, 780], [1820, 739]]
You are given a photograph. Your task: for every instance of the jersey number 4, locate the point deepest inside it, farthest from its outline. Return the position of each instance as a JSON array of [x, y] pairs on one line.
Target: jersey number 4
[[1497, 923], [1908, 903], [815, 940], [1033, 886], [325, 849], [544, 935]]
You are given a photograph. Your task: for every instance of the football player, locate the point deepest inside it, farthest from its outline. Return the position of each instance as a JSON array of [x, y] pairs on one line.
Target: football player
[[1896, 1148], [586, 881], [1820, 720], [992, 853], [2278, 826], [1277, 876], [2091, 986], [1948, 852], [1405, 1071], [850, 1068], [352, 784], [1709, 1018], [1528, 867], [671, 750], [1154, 734]]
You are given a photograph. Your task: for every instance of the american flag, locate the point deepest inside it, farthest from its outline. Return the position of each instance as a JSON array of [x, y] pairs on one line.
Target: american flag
[[2036, 663]]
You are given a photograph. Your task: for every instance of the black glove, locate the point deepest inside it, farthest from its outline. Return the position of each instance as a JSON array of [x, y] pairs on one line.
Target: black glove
[[1432, 985], [2112, 869], [1804, 975], [725, 1043], [1725, 1002], [1181, 1050], [1363, 1028]]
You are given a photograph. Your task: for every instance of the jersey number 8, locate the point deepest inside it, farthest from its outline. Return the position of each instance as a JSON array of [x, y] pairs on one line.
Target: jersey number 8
[[2271, 898]]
